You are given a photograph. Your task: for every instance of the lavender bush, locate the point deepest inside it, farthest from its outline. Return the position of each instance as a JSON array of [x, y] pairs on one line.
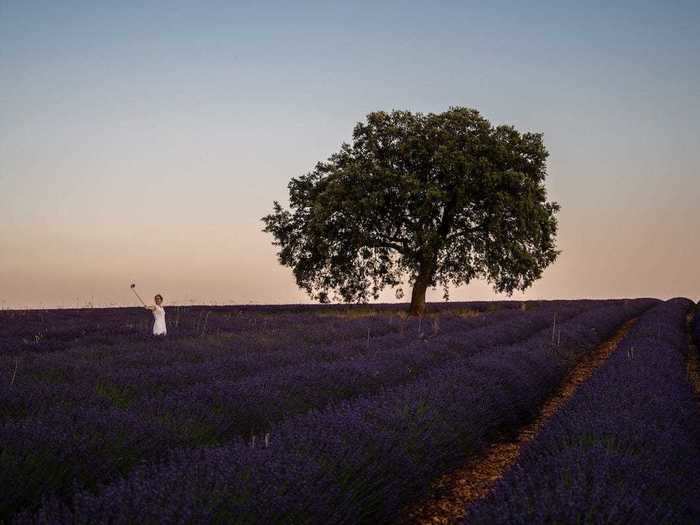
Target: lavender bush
[[65, 329], [625, 449], [125, 373], [221, 409], [43, 418], [359, 460]]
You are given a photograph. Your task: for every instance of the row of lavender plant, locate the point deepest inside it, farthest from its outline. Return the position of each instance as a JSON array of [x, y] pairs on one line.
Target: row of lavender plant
[[188, 361], [58, 379], [78, 334], [59, 330], [359, 461], [39, 444], [248, 334], [219, 410], [42, 379], [247, 361], [63, 329], [625, 449]]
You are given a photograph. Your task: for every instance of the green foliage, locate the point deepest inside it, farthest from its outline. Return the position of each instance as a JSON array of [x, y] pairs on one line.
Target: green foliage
[[432, 199]]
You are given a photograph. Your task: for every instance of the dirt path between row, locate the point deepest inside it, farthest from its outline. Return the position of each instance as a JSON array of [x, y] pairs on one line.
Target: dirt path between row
[[476, 478]]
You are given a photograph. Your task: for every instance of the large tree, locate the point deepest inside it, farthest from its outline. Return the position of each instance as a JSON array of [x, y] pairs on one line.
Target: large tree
[[428, 199]]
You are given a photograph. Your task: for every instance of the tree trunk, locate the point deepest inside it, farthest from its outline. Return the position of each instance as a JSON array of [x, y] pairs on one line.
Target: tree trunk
[[418, 294]]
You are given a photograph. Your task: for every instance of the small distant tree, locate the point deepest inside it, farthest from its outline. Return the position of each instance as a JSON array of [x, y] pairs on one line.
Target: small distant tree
[[428, 199]]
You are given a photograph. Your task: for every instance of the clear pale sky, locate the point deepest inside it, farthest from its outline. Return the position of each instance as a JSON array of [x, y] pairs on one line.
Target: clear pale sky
[[143, 141]]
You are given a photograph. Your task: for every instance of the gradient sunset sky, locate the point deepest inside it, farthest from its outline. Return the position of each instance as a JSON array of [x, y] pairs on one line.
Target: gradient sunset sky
[[143, 141]]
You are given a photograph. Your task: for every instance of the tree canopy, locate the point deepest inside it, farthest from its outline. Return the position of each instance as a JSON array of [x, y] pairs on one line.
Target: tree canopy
[[425, 199]]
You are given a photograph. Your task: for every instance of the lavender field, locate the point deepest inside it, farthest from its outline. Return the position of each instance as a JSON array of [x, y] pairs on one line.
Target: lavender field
[[346, 414]]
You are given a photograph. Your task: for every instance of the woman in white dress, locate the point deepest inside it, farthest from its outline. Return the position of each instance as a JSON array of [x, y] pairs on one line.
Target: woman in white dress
[[159, 327]]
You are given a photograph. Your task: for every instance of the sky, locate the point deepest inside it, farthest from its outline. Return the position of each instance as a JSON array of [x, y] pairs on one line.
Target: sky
[[143, 141]]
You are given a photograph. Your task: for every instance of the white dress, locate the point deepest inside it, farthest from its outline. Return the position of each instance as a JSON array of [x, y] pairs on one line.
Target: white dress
[[159, 321]]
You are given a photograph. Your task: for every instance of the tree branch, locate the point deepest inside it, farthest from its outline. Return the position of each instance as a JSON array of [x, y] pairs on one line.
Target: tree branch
[[387, 244]]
